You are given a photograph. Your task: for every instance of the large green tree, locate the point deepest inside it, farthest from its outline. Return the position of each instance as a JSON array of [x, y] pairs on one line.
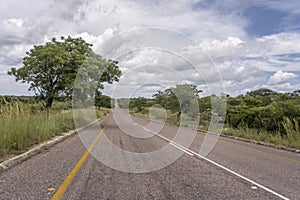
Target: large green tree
[[178, 99], [51, 69], [139, 103]]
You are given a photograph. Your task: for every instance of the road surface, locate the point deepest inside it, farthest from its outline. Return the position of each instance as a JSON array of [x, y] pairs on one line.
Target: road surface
[[232, 170]]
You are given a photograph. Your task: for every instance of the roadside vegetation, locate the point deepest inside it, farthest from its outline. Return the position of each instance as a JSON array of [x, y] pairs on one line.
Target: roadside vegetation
[[25, 123], [261, 115], [51, 70]]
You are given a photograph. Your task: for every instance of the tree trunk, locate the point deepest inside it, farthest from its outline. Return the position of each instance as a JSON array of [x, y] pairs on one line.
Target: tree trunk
[[49, 101], [178, 116]]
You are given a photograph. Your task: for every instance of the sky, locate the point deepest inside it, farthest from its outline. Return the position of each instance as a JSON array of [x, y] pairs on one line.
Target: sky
[[235, 46]]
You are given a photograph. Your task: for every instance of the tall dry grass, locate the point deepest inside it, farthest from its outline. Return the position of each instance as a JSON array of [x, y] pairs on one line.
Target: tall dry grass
[[290, 139], [23, 125]]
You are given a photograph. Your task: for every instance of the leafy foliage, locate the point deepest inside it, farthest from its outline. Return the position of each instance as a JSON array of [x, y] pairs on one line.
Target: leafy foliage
[[139, 103], [263, 109], [51, 69], [103, 100], [178, 99], [260, 110]]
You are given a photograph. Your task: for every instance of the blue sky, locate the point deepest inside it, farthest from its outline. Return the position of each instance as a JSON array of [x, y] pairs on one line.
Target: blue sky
[[264, 21], [253, 44]]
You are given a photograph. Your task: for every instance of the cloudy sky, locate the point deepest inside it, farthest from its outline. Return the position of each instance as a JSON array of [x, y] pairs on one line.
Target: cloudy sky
[[241, 45]]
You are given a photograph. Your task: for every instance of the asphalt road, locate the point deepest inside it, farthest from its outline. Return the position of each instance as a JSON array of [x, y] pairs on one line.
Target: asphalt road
[[232, 170]]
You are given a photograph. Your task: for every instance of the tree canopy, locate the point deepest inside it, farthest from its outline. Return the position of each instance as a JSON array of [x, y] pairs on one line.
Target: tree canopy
[[51, 69], [259, 110], [177, 99]]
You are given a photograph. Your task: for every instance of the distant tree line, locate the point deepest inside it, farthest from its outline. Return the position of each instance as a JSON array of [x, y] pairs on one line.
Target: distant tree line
[[10, 98], [101, 100], [261, 109]]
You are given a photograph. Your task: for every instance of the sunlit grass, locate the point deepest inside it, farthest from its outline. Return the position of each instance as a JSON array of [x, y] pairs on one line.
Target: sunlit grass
[[291, 139], [24, 125]]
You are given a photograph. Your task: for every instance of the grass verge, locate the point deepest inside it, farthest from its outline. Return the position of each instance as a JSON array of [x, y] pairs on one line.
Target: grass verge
[[291, 139], [24, 125]]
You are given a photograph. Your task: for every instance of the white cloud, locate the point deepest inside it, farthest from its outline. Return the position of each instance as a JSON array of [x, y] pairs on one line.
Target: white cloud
[[281, 77], [3, 72], [229, 59], [218, 29], [292, 7], [283, 87], [292, 66], [96, 41], [279, 43], [12, 54], [8, 85], [13, 23]]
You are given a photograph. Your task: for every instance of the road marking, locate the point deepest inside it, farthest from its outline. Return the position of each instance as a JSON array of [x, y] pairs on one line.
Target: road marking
[[254, 187], [51, 189], [242, 177], [64, 186], [221, 166], [261, 151], [178, 146]]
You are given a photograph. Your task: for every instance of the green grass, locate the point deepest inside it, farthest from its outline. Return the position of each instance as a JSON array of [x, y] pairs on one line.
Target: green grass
[[291, 139], [252, 134], [24, 125], [156, 114], [291, 127]]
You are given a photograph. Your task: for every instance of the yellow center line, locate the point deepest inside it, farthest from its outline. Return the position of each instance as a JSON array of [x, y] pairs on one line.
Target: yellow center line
[[261, 151], [64, 186]]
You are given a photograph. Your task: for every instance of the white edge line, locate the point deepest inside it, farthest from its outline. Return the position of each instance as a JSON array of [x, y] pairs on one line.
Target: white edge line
[[241, 176], [171, 142], [185, 151], [190, 152]]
